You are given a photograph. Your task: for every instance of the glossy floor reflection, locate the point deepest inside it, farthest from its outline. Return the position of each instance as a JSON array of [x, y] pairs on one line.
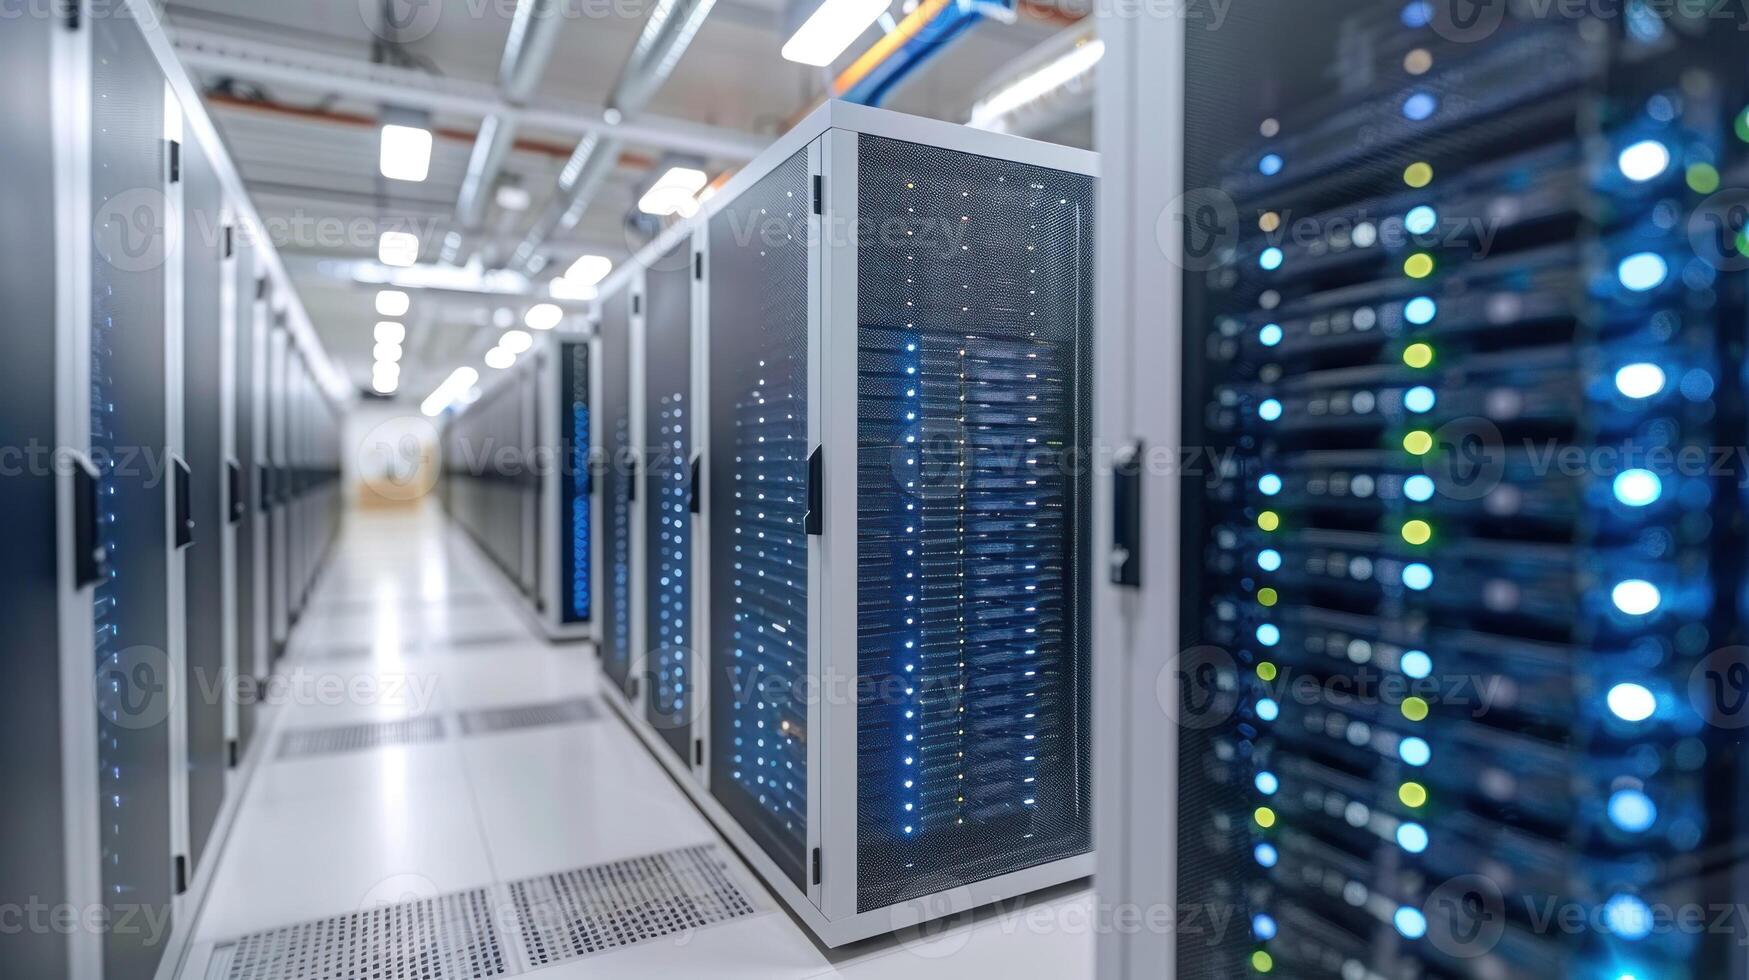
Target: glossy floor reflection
[[409, 620]]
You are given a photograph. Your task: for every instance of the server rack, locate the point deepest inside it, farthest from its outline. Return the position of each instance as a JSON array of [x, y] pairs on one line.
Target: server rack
[[116, 725], [665, 497], [618, 469], [891, 326], [1426, 690], [520, 475]]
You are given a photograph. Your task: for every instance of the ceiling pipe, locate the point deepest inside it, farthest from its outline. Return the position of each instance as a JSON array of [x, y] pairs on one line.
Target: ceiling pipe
[[660, 45], [534, 30]]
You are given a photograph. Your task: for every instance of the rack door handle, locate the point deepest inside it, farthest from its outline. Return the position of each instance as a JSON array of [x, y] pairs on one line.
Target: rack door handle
[[1126, 518], [815, 521], [694, 491], [182, 490], [90, 561]]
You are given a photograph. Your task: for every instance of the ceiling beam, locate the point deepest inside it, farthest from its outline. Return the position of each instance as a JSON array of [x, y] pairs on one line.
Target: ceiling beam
[[258, 61]]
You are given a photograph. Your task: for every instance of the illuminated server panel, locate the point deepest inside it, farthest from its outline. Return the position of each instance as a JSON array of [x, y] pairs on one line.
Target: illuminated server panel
[[870, 481], [1460, 569], [133, 359], [519, 480], [665, 498]]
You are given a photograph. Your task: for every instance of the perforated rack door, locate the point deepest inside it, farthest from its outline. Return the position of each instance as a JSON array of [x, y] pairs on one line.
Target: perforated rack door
[[667, 511], [974, 305], [576, 564], [757, 458], [616, 476], [131, 631]]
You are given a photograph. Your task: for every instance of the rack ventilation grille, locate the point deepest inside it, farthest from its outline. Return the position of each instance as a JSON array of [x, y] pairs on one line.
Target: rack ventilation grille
[[449, 937]]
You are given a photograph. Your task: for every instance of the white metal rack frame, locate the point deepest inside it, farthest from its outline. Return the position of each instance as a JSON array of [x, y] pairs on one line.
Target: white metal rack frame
[[823, 876]]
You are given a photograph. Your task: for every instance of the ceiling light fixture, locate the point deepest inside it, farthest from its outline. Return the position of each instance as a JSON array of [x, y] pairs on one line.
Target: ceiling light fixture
[[453, 388], [393, 302], [398, 248], [830, 29], [543, 316], [389, 332], [405, 153], [676, 192], [514, 198], [571, 289], [1072, 65], [386, 353], [590, 269], [498, 358], [516, 341]]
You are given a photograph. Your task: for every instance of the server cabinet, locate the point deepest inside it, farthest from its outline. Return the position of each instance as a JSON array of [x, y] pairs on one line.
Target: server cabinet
[[207, 588], [663, 410], [129, 413], [279, 490], [1436, 703], [519, 478], [619, 485], [891, 342], [46, 710]]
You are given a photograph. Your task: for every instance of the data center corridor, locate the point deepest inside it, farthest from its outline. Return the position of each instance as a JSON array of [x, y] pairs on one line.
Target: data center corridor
[[417, 830]]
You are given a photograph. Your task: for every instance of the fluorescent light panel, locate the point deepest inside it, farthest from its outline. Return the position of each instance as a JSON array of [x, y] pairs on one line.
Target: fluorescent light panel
[[405, 153], [1054, 75], [543, 316], [393, 302], [589, 270], [398, 248], [830, 29], [675, 193], [389, 332]]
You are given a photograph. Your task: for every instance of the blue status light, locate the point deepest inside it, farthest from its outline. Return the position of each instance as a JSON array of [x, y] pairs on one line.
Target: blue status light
[[1269, 335], [1631, 702], [1419, 399], [1632, 811], [1269, 484], [1419, 488], [1267, 783], [1420, 106], [1417, 664], [1627, 917], [1268, 634], [1269, 559], [1417, 576], [1269, 410], [1267, 709], [1639, 380], [1638, 488], [1420, 311], [1271, 259], [1643, 271], [1643, 161], [1421, 220], [1636, 597], [1265, 854], [1263, 927], [1414, 751], [1270, 165], [1410, 922], [1412, 837], [1418, 13]]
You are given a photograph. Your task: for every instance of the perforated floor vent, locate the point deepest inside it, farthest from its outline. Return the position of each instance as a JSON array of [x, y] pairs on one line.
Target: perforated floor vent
[[489, 720], [450, 937], [575, 913], [306, 742]]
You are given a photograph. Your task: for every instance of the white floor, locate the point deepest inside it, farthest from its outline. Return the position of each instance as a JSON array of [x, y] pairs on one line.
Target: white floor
[[409, 619]]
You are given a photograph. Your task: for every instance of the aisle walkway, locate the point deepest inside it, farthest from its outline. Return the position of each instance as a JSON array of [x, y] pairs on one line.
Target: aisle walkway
[[424, 824]]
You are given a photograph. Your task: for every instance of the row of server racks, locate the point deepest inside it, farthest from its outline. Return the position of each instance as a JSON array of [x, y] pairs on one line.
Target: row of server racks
[[1422, 365], [840, 540], [170, 463], [518, 479]]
